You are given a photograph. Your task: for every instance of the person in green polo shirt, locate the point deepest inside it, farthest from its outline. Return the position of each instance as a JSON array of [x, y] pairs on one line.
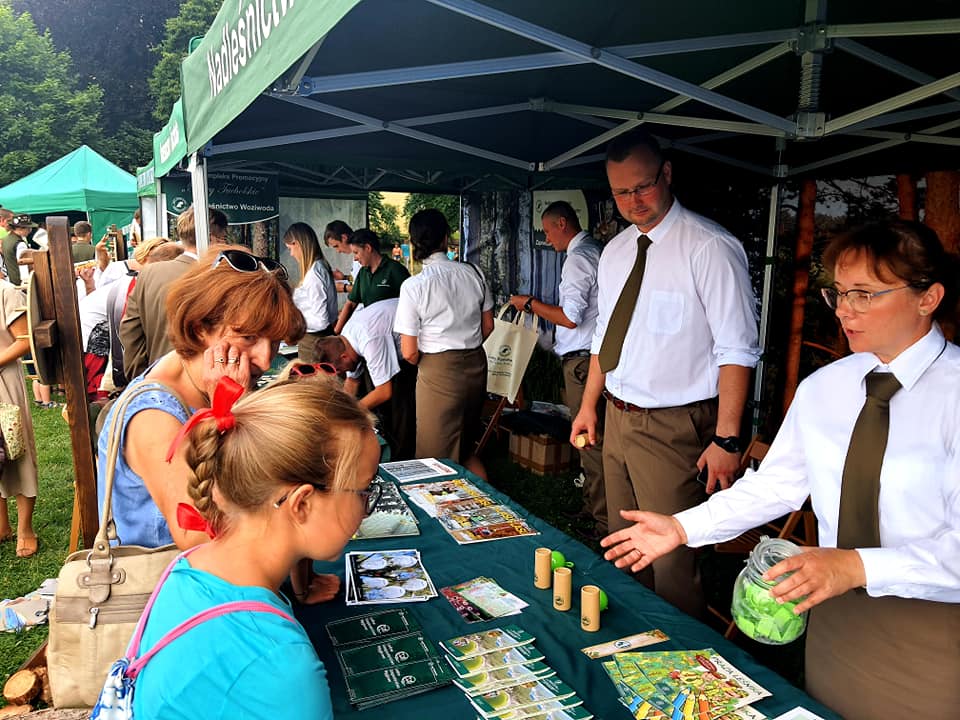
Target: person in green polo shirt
[[379, 278]]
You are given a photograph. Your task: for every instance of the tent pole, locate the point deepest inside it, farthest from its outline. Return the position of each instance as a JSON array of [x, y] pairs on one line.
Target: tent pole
[[201, 210], [767, 298]]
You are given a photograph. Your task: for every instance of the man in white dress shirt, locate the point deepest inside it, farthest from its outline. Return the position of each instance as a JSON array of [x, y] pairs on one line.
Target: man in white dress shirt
[[678, 360], [369, 350], [575, 319]]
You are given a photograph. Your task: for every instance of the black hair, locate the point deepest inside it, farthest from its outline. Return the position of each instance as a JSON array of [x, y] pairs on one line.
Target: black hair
[[363, 236], [429, 232], [336, 229], [562, 209]]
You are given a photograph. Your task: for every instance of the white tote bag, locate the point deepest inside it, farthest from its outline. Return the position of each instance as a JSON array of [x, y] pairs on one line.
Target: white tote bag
[[509, 349]]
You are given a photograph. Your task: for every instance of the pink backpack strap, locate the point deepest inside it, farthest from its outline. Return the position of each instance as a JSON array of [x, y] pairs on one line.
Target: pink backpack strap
[[133, 649], [231, 607]]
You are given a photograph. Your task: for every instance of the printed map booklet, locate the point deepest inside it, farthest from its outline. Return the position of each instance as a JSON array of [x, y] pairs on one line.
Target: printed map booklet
[[428, 495], [392, 517], [404, 471], [655, 684], [386, 576], [493, 522], [482, 599]]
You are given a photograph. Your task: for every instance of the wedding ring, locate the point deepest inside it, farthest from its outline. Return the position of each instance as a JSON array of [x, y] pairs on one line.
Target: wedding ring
[[220, 360], [233, 361]]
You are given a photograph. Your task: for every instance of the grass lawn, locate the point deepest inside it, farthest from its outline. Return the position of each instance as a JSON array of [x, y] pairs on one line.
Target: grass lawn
[[52, 522]]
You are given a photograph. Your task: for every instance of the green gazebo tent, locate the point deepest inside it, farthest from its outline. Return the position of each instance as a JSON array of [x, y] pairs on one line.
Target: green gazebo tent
[[82, 180]]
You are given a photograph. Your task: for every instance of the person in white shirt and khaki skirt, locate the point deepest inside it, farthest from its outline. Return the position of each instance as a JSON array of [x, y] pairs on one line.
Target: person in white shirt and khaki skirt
[[444, 314], [874, 440]]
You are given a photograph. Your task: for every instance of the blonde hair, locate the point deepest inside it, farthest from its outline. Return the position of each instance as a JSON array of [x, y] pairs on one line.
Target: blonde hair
[[287, 434], [144, 249], [303, 235]]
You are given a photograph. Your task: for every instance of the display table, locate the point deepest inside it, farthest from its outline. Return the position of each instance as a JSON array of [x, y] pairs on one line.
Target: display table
[[632, 609]]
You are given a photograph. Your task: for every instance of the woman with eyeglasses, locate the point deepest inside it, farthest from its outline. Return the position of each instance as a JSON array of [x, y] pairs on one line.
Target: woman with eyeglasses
[[443, 316], [316, 294], [225, 318], [874, 440], [273, 496]]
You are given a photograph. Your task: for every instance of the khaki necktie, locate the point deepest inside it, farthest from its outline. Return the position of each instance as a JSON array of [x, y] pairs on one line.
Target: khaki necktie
[[622, 312], [859, 522]]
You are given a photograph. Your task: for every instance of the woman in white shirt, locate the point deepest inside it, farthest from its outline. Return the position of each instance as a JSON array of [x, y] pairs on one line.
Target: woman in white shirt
[[443, 316], [315, 295], [884, 585]]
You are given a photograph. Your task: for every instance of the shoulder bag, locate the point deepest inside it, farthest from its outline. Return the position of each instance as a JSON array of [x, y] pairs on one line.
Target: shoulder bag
[[101, 592]]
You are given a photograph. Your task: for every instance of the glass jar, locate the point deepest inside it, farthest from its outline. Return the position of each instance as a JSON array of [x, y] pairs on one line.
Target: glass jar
[[756, 612]]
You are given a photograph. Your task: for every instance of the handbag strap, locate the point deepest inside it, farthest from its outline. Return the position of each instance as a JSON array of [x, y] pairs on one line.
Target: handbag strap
[[133, 648], [225, 609], [101, 546]]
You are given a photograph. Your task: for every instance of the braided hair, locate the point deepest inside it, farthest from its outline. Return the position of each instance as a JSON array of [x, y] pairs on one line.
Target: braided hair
[[289, 433]]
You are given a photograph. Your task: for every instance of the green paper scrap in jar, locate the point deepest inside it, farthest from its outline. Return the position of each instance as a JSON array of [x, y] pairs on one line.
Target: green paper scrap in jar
[[755, 611], [558, 559]]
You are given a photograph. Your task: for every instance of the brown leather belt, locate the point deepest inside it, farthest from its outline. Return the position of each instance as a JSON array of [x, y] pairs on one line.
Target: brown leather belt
[[621, 404]]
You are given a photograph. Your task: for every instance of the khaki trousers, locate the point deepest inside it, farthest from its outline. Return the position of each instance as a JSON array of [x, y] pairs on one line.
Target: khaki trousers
[[885, 657], [650, 463], [451, 387], [575, 371]]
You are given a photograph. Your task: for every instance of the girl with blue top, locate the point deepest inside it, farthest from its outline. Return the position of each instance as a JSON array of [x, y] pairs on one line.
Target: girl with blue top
[[267, 511]]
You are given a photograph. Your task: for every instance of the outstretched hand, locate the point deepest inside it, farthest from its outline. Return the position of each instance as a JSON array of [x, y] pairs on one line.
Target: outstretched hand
[[818, 574], [651, 536]]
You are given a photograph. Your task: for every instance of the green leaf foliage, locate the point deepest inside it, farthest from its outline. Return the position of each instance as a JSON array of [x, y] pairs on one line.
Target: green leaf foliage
[[449, 205], [43, 112], [383, 219], [194, 19]]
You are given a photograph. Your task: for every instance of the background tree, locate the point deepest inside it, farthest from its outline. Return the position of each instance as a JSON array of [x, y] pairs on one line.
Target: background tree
[[112, 45], [45, 114], [449, 205], [383, 218], [193, 19]]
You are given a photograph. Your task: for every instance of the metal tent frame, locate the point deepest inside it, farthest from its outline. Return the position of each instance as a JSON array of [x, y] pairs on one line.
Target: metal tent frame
[[725, 122]]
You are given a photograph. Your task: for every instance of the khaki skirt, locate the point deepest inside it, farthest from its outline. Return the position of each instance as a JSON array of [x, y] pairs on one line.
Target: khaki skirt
[[451, 387], [885, 657]]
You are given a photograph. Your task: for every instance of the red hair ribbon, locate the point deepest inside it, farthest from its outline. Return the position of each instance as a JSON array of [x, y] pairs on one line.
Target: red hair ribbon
[[227, 393], [189, 518]]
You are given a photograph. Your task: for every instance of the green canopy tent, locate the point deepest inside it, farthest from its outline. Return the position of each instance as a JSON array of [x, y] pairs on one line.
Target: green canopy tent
[[83, 180]]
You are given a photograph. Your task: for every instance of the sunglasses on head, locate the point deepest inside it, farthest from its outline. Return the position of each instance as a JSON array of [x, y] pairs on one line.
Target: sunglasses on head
[[309, 370], [245, 262]]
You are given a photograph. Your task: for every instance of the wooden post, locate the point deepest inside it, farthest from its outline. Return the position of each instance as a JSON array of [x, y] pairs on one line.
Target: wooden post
[[801, 281], [942, 207], [907, 196], [71, 364]]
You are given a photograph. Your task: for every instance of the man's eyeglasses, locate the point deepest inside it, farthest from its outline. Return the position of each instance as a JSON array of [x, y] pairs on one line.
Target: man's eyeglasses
[[858, 300], [371, 496], [245, 262], [311, 369], [640, 190]]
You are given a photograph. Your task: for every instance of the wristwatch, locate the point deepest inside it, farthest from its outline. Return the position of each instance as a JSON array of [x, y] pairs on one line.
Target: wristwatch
[[730, 444], [528, 305]]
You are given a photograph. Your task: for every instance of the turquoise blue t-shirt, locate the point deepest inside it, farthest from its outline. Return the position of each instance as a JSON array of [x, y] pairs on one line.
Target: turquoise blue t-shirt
[[241, 665]]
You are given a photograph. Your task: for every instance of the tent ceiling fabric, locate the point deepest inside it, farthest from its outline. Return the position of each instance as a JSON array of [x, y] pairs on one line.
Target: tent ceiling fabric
[[451, 94]]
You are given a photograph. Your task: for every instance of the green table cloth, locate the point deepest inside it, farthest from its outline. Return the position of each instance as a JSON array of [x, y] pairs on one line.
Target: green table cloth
[[633, 609]]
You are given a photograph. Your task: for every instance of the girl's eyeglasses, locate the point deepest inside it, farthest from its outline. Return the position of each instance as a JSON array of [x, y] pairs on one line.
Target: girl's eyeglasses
[[371, 496], [245, 262], [311, 369]]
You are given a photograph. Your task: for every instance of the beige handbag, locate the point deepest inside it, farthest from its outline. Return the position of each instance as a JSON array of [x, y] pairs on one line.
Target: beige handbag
[[509, 349], [101, 592], [11, 427]]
